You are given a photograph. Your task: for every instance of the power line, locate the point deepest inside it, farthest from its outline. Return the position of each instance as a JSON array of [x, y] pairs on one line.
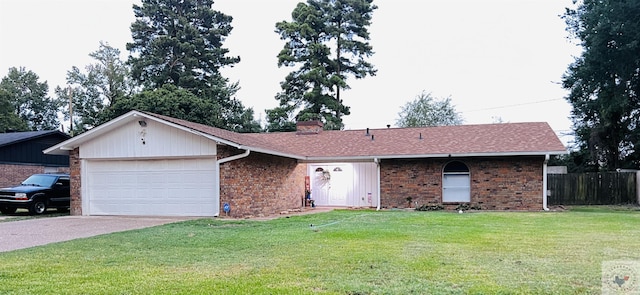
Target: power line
[[470, 111], [513, 105]]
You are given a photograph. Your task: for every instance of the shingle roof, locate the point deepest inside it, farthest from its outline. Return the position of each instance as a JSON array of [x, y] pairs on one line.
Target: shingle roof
[[535, 138], [16, 137]]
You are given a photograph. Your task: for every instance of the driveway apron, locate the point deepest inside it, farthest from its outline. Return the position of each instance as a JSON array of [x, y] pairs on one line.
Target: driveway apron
[[41, 231]]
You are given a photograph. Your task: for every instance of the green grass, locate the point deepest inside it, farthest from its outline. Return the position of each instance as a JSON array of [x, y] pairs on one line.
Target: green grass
[[344, 252]]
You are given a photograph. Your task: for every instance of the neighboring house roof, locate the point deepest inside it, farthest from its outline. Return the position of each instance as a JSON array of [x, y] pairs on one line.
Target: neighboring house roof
[[506, 139], [25, 148], [17, 137]]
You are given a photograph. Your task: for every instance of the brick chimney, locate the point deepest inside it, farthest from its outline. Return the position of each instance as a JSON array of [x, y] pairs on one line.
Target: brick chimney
[[309, 127]]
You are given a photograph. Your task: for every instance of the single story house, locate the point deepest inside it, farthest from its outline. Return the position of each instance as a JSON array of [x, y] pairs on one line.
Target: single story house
[[147, 164], [21, 155]]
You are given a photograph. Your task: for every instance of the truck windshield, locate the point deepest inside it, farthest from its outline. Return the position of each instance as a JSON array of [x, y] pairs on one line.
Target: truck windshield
[[40, 180]]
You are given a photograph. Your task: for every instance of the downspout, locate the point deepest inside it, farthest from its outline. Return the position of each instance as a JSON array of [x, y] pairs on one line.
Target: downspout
[[375, 160], [217, 168], [544, 183]]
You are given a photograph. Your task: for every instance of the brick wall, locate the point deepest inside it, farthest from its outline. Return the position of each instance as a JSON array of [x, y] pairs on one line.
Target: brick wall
[[76, 182], [510, 183], [11, 174], [309, 127], [260, 184]]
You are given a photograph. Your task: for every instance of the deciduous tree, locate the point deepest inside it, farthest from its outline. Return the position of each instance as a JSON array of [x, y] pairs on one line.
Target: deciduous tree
[[29, 100], [98, 87], [9, 120], [176, 102], [425, 110]]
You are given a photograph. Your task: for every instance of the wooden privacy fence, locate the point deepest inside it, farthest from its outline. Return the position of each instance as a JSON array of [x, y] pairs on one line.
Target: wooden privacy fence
[[601, 188]]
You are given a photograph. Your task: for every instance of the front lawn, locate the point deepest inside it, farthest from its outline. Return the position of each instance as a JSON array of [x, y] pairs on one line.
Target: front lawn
[[339, 252]]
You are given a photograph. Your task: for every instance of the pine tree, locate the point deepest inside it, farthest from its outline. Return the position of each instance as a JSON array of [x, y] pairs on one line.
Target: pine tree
[[327, 40]]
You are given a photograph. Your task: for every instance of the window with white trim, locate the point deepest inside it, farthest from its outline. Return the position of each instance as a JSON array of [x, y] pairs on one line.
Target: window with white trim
[[456, 183]]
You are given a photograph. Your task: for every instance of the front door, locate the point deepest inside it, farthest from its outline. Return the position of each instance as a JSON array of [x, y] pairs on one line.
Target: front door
[[330, 185]]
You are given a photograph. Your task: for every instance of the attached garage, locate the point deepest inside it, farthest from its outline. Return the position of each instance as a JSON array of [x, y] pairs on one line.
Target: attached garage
[[140, 165], [162, 187]]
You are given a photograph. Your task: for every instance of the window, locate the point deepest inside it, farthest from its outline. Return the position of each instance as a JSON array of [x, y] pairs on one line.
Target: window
[[63, 181], [456, 183]]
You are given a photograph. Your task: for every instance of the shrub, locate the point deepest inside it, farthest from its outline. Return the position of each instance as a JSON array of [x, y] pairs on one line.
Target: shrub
[[467, 206], [427, 207]]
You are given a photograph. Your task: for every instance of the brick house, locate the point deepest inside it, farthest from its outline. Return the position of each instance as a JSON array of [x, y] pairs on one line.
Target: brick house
[[148, 164], [21, 155]]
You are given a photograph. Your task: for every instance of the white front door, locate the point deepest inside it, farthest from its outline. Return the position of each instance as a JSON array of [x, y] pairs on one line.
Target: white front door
[[331, 184]]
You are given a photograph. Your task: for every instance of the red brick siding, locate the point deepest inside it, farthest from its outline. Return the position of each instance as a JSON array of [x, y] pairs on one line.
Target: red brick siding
[[76, 182], [507, 183], [260, 184], [309, 127], [511, 183], [11, 174]]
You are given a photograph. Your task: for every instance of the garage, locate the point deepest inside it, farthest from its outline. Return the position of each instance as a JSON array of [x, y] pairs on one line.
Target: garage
[[160, 187]]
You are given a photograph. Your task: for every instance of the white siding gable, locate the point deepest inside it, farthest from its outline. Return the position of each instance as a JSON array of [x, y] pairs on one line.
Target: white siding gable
[[155, 140]]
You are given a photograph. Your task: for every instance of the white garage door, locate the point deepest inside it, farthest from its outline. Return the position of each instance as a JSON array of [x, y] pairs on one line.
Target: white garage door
[[177, 187]]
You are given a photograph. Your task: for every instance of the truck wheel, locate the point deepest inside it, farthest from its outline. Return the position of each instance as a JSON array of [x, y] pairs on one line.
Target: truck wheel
[[8, 210], [38, 207]]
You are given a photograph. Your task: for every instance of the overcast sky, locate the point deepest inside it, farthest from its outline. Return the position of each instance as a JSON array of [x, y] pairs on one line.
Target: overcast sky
[[496, 59]]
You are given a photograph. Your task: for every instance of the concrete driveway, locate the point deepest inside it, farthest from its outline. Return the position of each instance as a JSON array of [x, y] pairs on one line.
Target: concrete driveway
[[41, 231]]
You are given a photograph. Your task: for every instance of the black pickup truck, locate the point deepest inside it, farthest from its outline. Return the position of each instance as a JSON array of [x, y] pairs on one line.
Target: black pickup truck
[[37, 193]]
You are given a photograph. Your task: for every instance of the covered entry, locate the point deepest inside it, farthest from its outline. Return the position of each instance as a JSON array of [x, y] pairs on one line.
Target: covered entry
[[344, 184]]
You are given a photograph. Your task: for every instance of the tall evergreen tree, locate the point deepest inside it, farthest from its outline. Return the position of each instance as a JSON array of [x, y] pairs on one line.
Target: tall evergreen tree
[[179, 42], [604, 82], [328, 41], [29, 100]]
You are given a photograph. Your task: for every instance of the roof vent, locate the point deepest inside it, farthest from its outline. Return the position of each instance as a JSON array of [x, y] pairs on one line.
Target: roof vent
[[367, 134], [309, 127]]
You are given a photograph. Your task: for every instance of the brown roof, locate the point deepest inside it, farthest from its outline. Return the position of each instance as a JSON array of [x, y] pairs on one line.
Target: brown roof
[[463, 140]]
